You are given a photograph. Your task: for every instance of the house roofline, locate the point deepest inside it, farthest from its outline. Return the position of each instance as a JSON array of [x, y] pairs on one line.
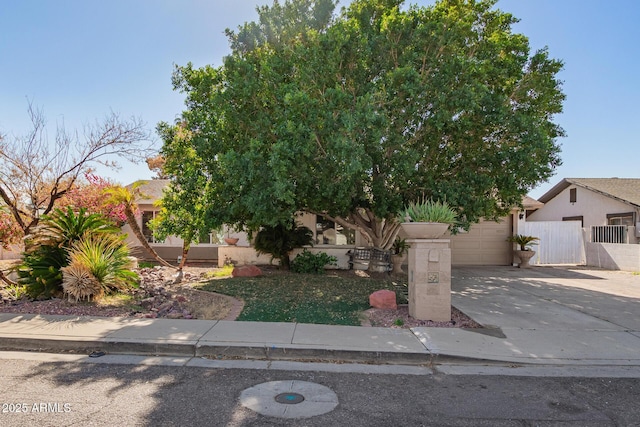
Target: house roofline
[[566, 182]]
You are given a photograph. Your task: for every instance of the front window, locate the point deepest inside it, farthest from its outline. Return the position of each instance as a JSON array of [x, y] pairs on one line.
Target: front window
[[620, 219], [215, 237], [330, 233]]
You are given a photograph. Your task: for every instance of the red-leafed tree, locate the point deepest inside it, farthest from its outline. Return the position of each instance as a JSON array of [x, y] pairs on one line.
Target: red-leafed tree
[[92, 194], [10, 233]]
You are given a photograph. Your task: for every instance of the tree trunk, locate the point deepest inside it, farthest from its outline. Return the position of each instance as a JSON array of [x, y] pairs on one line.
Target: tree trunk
[[285, 263], [379, 232], [6, 280], [183, 261], [135, 228]]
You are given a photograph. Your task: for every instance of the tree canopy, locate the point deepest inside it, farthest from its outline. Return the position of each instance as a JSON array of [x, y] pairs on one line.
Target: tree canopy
[[353, 115]]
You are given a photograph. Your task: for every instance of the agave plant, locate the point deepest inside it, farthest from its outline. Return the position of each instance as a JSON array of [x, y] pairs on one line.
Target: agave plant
[[428, 211]]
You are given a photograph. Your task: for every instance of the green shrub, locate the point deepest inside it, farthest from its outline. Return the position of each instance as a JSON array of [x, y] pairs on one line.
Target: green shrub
[[278, 241], [40, 271], [48, 249], [402, 292], [308, 262]]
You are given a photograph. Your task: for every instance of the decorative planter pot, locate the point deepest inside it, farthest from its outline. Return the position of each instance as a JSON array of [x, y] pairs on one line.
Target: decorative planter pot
[[524, 256], [397, 261], [424, 230], [231, 240]]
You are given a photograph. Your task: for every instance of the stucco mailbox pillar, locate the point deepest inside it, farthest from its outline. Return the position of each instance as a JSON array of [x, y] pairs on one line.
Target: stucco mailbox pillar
[[430, 279]]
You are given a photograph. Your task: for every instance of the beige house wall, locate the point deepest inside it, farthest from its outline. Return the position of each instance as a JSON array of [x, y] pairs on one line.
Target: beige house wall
[[592, 206], [489, 240], [248, 255]]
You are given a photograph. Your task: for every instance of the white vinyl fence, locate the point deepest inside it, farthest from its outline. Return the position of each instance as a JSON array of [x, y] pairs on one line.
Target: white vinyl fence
[[561, 242]]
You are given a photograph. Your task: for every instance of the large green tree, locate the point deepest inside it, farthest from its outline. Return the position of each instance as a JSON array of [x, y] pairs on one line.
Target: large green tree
[[353, 115]]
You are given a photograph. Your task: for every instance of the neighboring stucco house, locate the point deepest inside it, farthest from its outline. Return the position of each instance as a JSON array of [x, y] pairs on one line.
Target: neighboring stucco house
[[608, 210], [484, 244], [593, 202]]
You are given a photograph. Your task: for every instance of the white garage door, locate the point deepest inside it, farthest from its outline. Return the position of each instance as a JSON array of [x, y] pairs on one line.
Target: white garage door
[[484, 244]]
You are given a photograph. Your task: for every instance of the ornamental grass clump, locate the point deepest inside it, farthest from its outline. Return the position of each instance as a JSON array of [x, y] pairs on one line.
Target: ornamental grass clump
[[429, 211], [79, 284], [99, 264]]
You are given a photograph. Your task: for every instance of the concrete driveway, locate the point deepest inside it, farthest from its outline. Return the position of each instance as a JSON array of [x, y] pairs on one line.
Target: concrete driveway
[[559, 298], [544, 315]]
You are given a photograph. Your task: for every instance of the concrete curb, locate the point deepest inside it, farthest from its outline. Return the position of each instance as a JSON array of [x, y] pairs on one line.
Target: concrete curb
[[215, 351]]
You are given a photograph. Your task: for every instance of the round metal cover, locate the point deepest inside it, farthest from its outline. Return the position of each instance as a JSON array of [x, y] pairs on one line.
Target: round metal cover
[[289, 398], [279, 399]]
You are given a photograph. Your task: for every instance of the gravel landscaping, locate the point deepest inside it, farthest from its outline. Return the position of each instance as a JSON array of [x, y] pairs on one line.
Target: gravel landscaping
[[159, 297]]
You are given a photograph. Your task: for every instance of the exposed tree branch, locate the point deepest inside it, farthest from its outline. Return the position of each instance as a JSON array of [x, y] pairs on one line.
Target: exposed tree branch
[[34, 174]]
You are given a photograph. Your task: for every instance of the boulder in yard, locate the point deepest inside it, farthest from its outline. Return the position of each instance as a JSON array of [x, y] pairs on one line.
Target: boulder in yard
[[384, 298], [246, 271]]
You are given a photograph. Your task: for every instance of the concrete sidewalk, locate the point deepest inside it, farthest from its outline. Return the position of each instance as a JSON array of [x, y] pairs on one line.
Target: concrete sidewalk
[[540, 316]]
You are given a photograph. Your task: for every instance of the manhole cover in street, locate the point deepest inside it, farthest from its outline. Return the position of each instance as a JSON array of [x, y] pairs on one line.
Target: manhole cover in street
[[289, 398]]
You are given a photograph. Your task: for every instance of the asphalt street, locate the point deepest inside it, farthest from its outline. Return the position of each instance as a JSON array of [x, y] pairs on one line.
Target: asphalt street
[[69, 393]]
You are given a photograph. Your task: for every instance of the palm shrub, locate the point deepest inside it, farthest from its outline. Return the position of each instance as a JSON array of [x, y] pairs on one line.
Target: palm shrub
[[48, 248], [525, 242], [278, 241], [99, 264], [64, 227], [40, 271]]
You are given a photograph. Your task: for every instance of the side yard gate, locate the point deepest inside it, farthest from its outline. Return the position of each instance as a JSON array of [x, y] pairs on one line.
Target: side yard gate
[[561, 242]]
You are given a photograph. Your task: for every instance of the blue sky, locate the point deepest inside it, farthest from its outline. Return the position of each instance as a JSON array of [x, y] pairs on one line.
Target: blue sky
[[80, 59]]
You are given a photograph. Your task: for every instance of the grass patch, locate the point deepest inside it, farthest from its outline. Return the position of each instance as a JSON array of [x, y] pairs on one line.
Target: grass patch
[[304, 298], [119, 299], [225, 271]]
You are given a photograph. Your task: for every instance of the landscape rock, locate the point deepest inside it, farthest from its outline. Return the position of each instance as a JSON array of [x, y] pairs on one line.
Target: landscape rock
[[384, 298], [174, 315], [246, 271], [148, 302]]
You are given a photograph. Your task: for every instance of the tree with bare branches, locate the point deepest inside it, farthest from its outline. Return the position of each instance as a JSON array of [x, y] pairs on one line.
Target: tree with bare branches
[[36, 172]]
